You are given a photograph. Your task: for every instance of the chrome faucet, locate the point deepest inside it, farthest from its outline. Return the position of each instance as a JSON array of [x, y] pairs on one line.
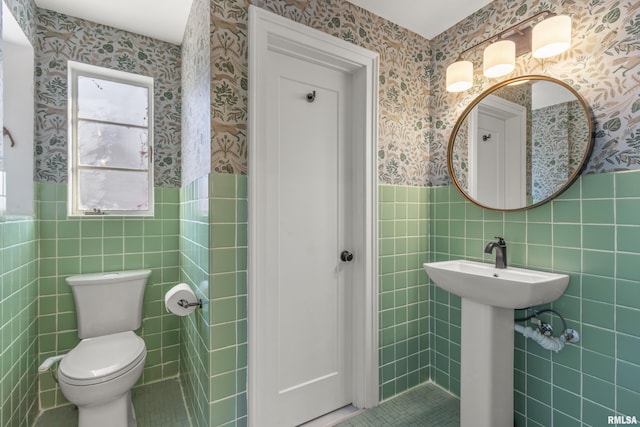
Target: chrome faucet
[[501, 251]]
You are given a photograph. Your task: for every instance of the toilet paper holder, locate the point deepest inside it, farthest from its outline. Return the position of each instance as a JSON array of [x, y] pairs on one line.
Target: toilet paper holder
[[185, 304]]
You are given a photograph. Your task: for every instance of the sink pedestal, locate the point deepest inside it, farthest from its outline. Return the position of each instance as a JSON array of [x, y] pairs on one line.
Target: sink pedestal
[[486, 383], [489, 296]]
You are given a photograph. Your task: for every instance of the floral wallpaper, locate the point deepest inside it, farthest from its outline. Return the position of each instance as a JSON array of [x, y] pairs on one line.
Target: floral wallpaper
[[556, 129], [61, 38], [404, 117], [550, 150], [196, 88], [602, 65]]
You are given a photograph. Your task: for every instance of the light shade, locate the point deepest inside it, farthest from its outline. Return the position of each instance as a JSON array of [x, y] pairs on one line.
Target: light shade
[[499, 58], [551, 37], [459, 76]]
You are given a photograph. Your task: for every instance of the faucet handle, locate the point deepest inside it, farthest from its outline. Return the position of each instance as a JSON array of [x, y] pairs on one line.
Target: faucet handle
[[501, 241]]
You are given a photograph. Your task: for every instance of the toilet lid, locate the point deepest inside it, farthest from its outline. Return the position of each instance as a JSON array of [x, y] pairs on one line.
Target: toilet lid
[[102, 358]]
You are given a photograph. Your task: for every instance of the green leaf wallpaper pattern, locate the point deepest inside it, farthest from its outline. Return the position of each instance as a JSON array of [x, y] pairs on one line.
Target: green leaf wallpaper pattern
[[403, 83], [196, 87], [61, 38], [603, 65]]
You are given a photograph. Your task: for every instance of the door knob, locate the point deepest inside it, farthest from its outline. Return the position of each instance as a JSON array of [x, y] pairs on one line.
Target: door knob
[[346, 256]]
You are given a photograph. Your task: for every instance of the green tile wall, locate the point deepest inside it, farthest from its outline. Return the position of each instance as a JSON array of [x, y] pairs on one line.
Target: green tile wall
[[228, 300], [94, 244], [194, 270], [403, 288], [591, 233], [18, 325], [213, 246]]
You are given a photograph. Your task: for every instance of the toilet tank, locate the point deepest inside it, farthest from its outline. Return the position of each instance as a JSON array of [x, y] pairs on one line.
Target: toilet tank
[[108, 303]]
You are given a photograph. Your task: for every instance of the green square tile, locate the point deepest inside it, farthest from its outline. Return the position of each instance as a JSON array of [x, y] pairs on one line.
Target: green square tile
[[566, 211], [627, 211], [597, 186], [627, 375], [628, 239], [539, 256], [597, 211], [474, 212], [223, 210], [599, 237], [133, 227], [598, 390], [91, 228], [515, 232], [540, 214], [48, 211], [493, 229], [565, 259], [627, 321], [401, 194], [598, 339], [539, 234], [113, 245], [223, 185], [69, 229], [627, 266], [627, 184], [598, 263], [627, 401], [573, 192], [628, 293], [598, 365], [386, 193], [223, 335], [567, 378], [47, 192], [628, 348], [598, 288], [566, 402], [598, 314], [567, 235]]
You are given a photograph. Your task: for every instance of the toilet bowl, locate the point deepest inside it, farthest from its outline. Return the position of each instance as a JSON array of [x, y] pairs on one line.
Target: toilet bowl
[[97, 375]]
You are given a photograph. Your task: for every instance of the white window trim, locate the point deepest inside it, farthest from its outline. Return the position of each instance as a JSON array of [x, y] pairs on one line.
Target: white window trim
[[75, 69]]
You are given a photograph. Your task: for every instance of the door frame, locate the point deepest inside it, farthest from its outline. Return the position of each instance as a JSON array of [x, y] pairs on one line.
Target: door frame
[[513, 155], [271, 32]]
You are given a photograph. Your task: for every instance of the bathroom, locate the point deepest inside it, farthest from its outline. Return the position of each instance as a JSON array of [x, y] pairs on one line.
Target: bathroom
[[199, 232]]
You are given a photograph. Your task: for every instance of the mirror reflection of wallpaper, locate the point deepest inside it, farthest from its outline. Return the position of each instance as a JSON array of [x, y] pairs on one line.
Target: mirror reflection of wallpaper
[[559, 133], [598, 65], [460, 156]]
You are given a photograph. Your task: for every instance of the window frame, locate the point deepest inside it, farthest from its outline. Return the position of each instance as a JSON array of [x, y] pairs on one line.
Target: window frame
[[79, 69]]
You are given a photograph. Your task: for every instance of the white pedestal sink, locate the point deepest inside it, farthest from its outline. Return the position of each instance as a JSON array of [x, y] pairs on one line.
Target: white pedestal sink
[[489, 296]]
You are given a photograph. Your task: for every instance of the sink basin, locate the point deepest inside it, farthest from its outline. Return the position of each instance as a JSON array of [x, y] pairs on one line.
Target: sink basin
[[506, 288]]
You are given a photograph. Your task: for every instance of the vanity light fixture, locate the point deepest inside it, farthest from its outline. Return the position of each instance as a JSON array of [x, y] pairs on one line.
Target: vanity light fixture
[[499, 59], [549, 37]]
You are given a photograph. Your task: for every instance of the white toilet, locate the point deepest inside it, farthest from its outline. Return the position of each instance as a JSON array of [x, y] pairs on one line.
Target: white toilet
[[97, 375]]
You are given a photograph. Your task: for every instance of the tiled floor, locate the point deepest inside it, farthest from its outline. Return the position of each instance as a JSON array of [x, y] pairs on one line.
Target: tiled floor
[[423, 406], [157, 405], [161, 405]]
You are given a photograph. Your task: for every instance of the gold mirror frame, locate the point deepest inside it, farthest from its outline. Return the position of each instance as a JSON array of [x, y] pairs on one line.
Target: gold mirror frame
[[517, 80]]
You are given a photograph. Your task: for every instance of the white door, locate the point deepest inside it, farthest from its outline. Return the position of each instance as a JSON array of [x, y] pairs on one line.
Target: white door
[[490, 154], [497, 153], [306, 368]]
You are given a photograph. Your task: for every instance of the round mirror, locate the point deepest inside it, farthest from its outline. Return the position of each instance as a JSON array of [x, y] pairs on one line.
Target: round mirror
[[520, 143]]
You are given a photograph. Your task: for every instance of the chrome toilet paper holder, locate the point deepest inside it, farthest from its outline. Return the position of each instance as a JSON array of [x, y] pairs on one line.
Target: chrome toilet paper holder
[[186, 304]]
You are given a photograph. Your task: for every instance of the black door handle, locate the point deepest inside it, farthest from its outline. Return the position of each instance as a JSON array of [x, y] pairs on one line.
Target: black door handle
[[346, 256]]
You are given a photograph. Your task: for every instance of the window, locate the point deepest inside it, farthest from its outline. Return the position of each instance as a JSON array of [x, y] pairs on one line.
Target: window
[[110, 141]]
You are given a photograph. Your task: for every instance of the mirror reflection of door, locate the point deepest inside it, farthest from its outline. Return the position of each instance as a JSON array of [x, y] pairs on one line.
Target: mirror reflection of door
[[497, 153]]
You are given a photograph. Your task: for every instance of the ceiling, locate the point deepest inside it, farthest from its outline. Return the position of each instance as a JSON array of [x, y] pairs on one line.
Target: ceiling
[[166, 19], [160, 19], [425, 17]]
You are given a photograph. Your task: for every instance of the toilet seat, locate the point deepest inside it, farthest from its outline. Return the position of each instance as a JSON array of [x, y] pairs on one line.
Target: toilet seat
[[100, 359]]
